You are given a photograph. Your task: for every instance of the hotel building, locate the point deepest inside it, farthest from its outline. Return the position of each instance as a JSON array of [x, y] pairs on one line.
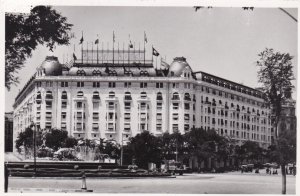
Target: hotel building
[[117, 100]]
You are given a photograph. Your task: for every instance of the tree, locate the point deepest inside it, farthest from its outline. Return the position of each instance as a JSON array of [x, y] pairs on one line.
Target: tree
[[146, 148], [201, 143], [56, 138], [25, 139], [275, 73], [23, 33], [251, 151], [172, 145]]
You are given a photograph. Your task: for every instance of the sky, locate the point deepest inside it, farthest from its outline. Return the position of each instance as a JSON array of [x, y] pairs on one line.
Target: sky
[[221, 41]]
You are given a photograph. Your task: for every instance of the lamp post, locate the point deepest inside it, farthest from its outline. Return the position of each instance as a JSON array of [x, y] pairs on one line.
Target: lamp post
[[33, 127]]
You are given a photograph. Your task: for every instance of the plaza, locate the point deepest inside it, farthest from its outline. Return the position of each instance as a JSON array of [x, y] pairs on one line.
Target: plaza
[[226, 183]]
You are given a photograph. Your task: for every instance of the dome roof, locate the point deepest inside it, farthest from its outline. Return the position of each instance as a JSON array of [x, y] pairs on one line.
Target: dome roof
[[73, 71], [177, 66], [51, 66]]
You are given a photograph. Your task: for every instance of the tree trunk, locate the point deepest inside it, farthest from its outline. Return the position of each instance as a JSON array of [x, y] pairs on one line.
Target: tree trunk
[[283, 173]]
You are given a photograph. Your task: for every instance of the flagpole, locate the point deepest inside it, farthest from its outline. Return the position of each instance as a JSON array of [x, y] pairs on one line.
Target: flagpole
[[134, 51], [107, 52], [87, 52], [92, 52], [152, 55], [139, 52], [156, 62], [82, 48], [102, 53], [118, 54], [123, 54], [113, 47], [144, 48], [97, 49], [129, 51]]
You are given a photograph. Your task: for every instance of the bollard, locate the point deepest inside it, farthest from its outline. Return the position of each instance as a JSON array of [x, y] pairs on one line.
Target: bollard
[[83, 184]]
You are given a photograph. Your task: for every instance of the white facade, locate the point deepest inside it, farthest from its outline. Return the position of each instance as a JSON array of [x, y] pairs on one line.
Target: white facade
[[90, 102]]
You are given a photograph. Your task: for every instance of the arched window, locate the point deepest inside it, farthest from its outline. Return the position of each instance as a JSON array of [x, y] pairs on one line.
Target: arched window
[[81, 72], [38, 95], [143, 95], [49, 95], [159, 96], [79, 94], [111, 94], [128, 96], [96, 95], [187, 97], [97, 73], [175, 96], [64, 95]]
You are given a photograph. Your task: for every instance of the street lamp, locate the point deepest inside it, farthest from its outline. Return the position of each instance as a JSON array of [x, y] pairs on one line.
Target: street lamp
[[33, 128]]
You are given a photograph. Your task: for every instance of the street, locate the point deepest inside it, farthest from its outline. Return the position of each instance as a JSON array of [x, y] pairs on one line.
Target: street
[[228, 183]]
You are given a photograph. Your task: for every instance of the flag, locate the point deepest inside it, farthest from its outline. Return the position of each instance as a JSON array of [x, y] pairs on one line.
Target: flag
[[154, 52], [164, 64], [130, 44], [70, 64], [74, 57], [81, 40], [146, 41], [97, 41]]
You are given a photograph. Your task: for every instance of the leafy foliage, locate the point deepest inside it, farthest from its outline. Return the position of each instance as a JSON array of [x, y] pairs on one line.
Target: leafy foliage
[[145, 148], [275, 73], [23, 33], [56, 138]]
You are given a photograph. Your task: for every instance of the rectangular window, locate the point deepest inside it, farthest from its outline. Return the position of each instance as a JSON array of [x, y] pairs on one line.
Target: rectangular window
[[80, 84], [96, 84], [79, 105], [63, 126], [158, 127], [159, 117], [175, 116], [127, 127], [143, 85], [96, 105], [127, 84], [127, 117], [64, 84], [63, 116], [159, 85], [175, 127], [186, 106], [159, 105], [112, 85], [38, 116], [95, 116], [48, 104], [64, 104], [48, 116], [127, 105], [95, 127], [175, 106]]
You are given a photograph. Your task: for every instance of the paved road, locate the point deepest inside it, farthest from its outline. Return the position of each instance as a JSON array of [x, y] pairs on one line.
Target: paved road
[[188, 183]]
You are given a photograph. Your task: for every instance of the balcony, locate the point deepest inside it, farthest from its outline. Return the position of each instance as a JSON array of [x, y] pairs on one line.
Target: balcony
[[187, 98]]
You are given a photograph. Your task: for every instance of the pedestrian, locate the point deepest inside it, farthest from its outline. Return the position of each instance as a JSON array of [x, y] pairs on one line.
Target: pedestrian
[[267, 171]]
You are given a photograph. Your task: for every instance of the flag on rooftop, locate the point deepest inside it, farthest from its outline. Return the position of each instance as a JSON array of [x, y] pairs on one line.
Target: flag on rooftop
[[81, 40], [74, 57], [97, 41], [154, 52], [145, 38], [130, 44]]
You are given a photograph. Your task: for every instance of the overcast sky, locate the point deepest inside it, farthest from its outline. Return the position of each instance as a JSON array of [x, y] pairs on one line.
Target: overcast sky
[[221, 41]]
